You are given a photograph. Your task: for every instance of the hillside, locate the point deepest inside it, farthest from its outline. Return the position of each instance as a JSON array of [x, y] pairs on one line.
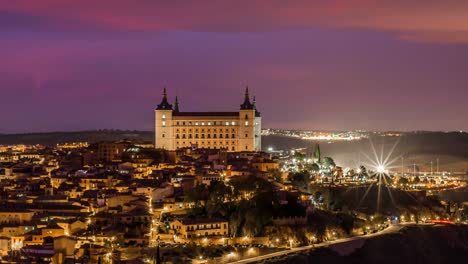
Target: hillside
[[417, 244]]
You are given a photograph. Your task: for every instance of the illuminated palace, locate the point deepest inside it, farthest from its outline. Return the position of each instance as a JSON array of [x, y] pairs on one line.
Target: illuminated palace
[[233, 131]]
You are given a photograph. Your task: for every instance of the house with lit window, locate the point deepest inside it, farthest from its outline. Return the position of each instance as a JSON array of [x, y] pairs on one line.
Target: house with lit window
[[200, 227]]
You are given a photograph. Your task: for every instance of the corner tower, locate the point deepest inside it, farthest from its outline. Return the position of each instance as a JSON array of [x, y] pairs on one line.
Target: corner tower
[[163, 130], [250, 123]]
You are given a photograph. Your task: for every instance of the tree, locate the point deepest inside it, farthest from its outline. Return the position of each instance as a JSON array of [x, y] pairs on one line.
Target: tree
[[299, 156], [328, 163], [363, 171], [250, 216], [314, 168], [317, 154], [300, 180], [403, 181], [197, 194], [275, 174], [218, 195]]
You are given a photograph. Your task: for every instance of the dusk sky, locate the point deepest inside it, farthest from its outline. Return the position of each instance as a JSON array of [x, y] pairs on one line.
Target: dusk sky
[[69, 65]]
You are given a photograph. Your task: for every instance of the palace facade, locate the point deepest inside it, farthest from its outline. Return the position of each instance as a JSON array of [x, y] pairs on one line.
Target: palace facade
[[233, 131]]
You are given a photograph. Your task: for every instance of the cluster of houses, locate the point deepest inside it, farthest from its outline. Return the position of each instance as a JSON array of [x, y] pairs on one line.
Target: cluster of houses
[[81, 202]]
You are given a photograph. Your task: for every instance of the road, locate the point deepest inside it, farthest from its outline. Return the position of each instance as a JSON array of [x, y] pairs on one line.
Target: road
[[390, 229]]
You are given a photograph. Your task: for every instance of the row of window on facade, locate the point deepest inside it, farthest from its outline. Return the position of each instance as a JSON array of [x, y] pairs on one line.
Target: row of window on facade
[[215, 146], [214, 123], [208, 136], [207, 234], [183, 123], [203, 130], [206, 226], [207, 143]]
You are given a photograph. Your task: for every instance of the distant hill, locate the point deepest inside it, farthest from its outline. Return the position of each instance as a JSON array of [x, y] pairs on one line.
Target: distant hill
[[419, 147], [53, 138]]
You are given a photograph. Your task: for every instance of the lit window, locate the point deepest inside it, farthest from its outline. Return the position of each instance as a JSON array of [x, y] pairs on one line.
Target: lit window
[[246, 123], [164, 116], [196, 123], [203, 123], [209, 123], [163, 123], [233, 123], [227, 123]]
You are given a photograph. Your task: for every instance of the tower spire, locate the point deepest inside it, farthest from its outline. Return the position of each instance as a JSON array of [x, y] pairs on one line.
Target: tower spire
[[176, 105], [164, 105], [247, 104]]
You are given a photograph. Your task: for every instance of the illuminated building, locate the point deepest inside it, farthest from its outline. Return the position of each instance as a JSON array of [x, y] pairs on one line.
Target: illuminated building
[[200, 227], [233, 131]]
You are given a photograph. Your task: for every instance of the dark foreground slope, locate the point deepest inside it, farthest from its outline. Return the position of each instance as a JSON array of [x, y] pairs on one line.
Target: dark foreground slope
[[417, 244]]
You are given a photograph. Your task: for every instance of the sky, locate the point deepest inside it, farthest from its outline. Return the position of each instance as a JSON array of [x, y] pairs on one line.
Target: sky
[[68, 65]]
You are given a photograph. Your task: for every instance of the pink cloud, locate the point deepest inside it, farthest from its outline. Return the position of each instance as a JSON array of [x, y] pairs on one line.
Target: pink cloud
[[405, 18]]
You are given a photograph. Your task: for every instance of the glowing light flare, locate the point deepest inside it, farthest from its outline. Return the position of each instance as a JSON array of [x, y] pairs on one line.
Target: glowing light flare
[[381, 169]]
